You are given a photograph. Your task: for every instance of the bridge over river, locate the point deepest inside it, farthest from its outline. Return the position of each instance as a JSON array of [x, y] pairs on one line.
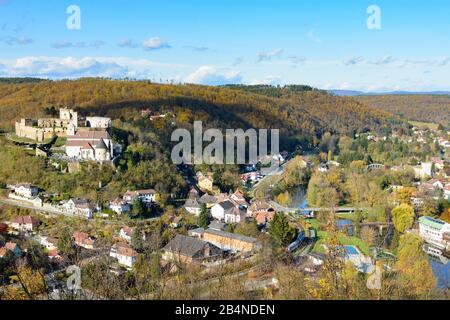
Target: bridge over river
[[344, 210]]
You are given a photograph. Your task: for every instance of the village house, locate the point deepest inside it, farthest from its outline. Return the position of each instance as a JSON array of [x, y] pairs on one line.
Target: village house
[[147, 196], [26, 190], [434, 231], [263, 218], [257, 207], [79, 207], [25, 224], [120, 206], [189, 250], [126, 233], [207, 200], [424, 170], [205, 182], [83, 240], [48, 243], [227, 211], [13, 248], [124, 254], [192, 206], [238, 198]]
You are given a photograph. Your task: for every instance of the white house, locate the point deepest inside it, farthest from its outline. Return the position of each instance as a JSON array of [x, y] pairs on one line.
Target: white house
[[25, 224], [26, 190], [126, 233], [124, 254], [193, 206], [79, 207], [120, 206], [147, 196], [434, 231], [424, 170], [48, 242], [228, 212]]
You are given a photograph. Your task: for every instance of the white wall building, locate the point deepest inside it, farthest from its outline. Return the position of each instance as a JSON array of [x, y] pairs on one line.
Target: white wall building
[[26, 190], [90, 145], [124, 254], [434, 231], [98, 122]]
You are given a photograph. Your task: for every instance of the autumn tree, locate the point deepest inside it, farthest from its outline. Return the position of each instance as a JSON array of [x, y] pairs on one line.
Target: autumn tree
[[415, 273], [403, 217]]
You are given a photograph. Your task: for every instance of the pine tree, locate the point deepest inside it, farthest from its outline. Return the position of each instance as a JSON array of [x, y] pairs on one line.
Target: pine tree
[[280, 230], [204, 217]]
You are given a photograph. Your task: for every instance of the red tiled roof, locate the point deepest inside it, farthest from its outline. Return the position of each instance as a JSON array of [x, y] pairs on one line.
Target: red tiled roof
[[27, 220]]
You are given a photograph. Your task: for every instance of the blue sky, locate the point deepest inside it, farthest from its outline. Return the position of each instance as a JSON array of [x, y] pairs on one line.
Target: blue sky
[[325, 43]]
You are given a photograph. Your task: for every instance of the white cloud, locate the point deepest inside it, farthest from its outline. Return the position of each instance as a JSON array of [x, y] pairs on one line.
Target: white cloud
[[65, 68], [16, 40], [353, 61], [269, 80], [155, 43], [312, 35], [296, 59], [197, 48], [269, 55], [211, 76], [238, 61], [128, 43], [68, 44]]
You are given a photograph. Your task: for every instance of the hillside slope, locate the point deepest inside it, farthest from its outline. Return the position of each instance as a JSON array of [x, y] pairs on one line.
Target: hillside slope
[[300, 115], [426, 108]]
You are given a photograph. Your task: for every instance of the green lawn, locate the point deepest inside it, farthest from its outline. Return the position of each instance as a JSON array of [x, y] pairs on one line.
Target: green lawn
[[344, 239], [430, 125]]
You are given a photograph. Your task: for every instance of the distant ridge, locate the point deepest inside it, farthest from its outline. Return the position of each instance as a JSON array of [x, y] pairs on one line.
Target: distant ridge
[[349, 93]]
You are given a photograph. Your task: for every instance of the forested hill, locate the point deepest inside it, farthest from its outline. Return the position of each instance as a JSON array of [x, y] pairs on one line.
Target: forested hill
[[300, 115], [426, 108]]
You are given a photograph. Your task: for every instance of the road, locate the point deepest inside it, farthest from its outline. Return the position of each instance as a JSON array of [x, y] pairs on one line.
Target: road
[[58, 212]]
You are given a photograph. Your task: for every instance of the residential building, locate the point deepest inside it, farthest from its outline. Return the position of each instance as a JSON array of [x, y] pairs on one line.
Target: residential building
[[147, 196], [425, 169], [205, 182], [434, 231], [120, 206], [227, 211], [26, 190], [13, 248], [207, 200], [48, 243], [192, 206], [124, 254], [83, 240], [189, 250], [25, 224], [79, 207], [126, 233]]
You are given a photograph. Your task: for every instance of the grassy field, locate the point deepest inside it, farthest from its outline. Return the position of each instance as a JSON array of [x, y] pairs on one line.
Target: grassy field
[[430, 125], [343, 238]]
